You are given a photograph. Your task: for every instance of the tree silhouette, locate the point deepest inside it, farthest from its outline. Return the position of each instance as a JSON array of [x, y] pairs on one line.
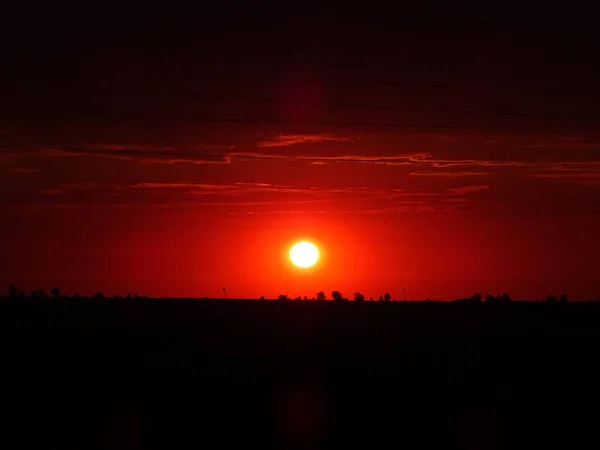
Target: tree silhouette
[[358, 297], [490, 298], [41, 293], [55, 292], [551, 299], [477, 297], [321, 296], [262, 297], [98, 295], [506, 298], [12, 290], [387, 297], [282, 297], [563, 298], [337, 296], [381, 298]]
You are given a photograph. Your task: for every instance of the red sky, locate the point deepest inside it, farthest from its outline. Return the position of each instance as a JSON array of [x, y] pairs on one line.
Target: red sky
[[444, 162]]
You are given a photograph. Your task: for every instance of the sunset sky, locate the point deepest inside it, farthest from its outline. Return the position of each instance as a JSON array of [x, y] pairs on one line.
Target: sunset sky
[[174, 154]]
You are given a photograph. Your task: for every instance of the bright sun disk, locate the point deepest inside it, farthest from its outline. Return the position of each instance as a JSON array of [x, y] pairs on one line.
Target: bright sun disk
[[304, 254]]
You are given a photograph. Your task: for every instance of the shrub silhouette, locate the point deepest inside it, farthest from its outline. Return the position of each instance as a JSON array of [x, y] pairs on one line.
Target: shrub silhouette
[[337, 296], [358, 297], [321, 296], [55, 292], [387, 297], [282, 297], [12, 291], [98, 295]]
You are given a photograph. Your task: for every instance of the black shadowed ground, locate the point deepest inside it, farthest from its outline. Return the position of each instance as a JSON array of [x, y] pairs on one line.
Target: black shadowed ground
[[172, 373]]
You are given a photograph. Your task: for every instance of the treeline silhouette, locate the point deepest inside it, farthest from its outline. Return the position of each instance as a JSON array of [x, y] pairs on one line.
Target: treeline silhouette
[[56, 293], [336, 296], [358, 297]]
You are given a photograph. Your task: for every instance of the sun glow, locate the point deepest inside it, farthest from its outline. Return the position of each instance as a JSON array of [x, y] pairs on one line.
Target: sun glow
[[304, 254]]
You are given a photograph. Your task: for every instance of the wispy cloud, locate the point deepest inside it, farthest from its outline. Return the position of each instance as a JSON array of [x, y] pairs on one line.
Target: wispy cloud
[[577, 166], [567, 175], [218, 189], [420, 163], [580, 174], [170, 155], [67, 187], [456, 200], [478, 162], [563, 144], [422, 209], [144, 156], [449, 174], [285, 140], [180, 185], [128, 147], [250, 190], [400, 159], [238, 189], [463, 190]]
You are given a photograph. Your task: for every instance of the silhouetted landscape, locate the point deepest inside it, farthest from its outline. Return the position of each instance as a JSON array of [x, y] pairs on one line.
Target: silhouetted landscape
[[182, 373]]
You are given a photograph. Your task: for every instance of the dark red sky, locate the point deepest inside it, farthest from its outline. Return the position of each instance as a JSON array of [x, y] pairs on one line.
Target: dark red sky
[[175, 153]]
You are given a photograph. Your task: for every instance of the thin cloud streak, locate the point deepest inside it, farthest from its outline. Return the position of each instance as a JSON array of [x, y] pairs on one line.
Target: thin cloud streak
[[564, 144], [285, 140], [68, 187], [257, 188], [169, 155], [449, 174], [468, 189], [422, 209], [567, 175]]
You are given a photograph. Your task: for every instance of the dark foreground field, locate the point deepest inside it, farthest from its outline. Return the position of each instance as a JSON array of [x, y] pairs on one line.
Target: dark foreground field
[[130, 374]]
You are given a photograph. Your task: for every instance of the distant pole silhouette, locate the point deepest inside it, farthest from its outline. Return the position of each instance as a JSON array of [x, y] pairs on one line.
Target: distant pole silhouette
[[225, 292]]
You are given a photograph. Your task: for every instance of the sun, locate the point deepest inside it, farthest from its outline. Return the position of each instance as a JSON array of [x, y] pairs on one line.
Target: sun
[[304, 254]]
